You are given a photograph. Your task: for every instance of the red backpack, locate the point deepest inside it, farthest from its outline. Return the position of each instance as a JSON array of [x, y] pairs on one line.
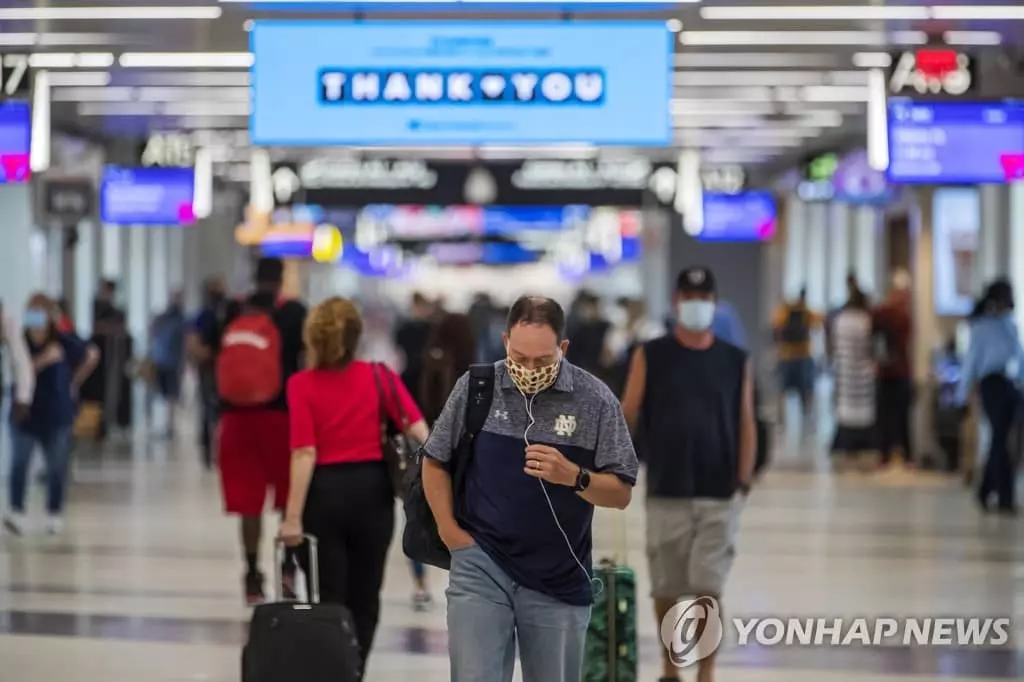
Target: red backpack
[[249, 368]]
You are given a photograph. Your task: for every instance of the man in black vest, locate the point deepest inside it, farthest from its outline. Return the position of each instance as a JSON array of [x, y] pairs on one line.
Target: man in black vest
[[691, 395]]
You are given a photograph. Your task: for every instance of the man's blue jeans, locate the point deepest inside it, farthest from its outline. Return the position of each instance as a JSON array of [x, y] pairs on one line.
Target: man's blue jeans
[[488, 613], [56, 446]]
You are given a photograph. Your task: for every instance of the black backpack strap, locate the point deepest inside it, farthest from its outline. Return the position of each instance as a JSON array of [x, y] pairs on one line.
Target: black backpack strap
[[479, 396]]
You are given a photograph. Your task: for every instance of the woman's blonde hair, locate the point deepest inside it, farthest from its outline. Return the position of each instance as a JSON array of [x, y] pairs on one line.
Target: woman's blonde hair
[[332, 334]]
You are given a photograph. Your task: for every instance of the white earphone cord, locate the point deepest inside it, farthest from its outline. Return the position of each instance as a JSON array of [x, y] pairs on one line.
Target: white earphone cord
[[595, 582]]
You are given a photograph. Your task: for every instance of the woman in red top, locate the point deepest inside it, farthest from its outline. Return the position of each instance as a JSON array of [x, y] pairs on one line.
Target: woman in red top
[[340, 490]]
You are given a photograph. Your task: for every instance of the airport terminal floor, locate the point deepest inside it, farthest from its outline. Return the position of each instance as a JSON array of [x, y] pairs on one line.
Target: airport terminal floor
[[144, 584]]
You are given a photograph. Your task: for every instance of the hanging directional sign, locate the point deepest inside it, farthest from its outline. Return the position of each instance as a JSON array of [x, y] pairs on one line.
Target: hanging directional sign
[[15, 76]]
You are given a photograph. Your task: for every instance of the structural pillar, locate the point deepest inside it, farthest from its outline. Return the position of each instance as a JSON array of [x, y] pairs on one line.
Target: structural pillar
[[925, 320], [839, 254], [867, 245], [993, 257], [816, 255], [795, 259]]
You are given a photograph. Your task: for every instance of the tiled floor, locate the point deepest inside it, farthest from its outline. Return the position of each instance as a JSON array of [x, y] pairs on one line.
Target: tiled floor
[[143, 587]]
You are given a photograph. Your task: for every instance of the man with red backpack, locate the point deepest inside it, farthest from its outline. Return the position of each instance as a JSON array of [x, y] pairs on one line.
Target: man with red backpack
[[258, 347]]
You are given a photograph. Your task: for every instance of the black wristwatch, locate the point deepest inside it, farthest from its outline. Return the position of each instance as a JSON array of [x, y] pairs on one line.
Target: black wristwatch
[[582, 480]]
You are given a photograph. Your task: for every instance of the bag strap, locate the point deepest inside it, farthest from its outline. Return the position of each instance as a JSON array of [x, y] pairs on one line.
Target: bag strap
[[479, 396], [392, 389], [382, 412]]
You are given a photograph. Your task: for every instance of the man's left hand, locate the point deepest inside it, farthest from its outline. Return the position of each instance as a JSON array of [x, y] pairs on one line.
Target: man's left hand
[[548, 464]]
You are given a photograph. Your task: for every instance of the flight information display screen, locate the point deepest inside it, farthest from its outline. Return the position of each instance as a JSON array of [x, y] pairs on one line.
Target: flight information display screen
[[15, 141], [743, 217], [147, 196], [955, 142]]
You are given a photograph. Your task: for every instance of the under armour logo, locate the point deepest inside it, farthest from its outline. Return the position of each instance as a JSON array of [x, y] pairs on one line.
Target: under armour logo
[[697, 276], [565, 425], [501, 414]]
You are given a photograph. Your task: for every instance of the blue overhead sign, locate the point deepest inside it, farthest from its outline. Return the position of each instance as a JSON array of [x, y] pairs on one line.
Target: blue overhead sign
[[955, 142], [147, 196], [461, 83], [396, 6]]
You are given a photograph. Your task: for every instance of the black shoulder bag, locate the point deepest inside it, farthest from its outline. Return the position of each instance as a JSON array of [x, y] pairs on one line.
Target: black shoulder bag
[[393, 445], [420, 539]]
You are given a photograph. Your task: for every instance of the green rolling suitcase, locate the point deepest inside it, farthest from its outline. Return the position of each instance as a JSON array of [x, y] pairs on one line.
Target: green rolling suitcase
[[611, 647]]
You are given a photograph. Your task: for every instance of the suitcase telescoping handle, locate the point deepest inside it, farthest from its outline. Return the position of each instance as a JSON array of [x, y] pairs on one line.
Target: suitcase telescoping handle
[[312, 578]]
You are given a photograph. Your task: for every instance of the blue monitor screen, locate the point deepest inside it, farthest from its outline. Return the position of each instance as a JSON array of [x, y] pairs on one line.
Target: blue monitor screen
[[461, 83], [954, 142], [15, 141], [747, 216], [147, 196]]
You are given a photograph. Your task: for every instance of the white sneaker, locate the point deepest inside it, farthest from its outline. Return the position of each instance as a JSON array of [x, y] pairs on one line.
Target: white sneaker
[[55, 525], [15, 523]]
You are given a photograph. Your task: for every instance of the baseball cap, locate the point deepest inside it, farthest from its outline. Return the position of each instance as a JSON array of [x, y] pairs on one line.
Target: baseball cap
[[696, 279]]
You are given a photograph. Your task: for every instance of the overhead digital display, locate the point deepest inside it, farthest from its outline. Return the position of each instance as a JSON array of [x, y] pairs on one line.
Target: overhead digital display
[[744, 217], [15, 141], [461, 83], [147, 196], [954, 142]]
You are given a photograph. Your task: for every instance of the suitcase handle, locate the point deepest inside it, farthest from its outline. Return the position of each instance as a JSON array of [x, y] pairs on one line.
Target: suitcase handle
[[313, 597]]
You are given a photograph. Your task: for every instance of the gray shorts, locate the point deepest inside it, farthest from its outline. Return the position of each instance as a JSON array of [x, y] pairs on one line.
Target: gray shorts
[[691, 545]]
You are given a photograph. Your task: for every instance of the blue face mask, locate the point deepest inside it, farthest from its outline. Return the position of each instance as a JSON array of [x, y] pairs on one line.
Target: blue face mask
[[36, 319]]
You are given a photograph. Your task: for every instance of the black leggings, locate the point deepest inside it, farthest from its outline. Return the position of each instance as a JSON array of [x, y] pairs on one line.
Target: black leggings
[[1000, 401], [350, 509]]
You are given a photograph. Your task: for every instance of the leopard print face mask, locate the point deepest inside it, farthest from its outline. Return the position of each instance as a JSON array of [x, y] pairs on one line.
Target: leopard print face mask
[[532, 381]]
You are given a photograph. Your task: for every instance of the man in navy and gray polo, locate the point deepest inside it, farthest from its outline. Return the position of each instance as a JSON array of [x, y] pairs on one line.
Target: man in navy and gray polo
[[554, 446]]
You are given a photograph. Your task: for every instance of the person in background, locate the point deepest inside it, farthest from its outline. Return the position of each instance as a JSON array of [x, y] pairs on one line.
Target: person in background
[[631, 328], [792, 324], [260, 343], [340, 490], [487, 321], [61, 363], [451, 349], [995, 365], [20, 361], [893, 327], [728, 326], [168, 355], [588, 337], [211, 316], [65, 324], [411, 338], [855, 376], [693, 397]]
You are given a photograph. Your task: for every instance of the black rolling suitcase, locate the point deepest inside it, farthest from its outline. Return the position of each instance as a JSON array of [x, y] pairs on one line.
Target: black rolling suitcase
[[301, 641]]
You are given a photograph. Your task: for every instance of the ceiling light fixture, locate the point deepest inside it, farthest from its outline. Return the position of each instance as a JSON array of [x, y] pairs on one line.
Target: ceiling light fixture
[[978, 13], [834, 93], [795, 38], [71, 60], [755, 78], [872, 60], [979, 38], [812, 13], [107, 13], [97, 79], [57, 39], [752, 60], [187, 60]]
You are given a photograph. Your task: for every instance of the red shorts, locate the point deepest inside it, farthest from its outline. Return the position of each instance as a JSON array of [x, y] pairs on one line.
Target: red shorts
[[254, 456]]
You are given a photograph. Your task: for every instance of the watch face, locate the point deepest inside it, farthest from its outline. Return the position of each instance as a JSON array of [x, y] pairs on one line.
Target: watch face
[[584, 481]]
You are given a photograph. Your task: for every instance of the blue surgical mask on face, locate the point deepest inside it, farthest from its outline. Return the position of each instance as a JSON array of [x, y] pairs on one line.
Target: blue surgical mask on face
[[696, 316], [36, 319]]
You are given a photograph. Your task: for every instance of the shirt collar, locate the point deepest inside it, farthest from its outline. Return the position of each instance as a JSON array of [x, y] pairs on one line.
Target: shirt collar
[[563, 383]]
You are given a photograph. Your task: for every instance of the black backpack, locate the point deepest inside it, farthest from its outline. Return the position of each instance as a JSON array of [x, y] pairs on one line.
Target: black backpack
[[420, 539]]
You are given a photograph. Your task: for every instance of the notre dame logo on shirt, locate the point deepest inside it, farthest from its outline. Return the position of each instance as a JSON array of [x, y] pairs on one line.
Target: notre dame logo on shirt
[[565, 425]]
